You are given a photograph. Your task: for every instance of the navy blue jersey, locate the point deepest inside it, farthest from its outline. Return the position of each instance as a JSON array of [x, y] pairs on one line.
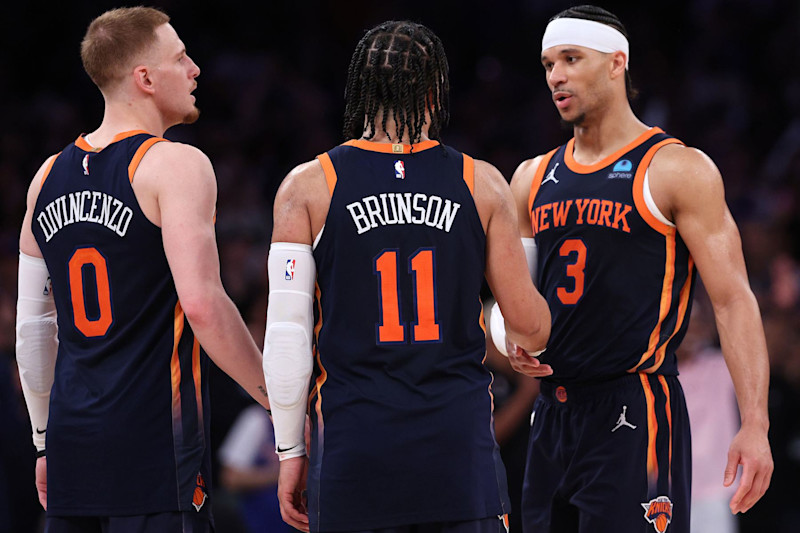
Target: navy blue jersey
[[402, 408], [128, 423], [618, 280]]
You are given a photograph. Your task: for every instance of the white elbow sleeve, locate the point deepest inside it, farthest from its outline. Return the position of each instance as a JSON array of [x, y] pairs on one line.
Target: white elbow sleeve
[[531, 255], [37, 341], [497, 328], [288, 362]]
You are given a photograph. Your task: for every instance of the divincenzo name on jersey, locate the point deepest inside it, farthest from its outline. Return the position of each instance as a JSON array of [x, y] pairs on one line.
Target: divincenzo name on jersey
[[84, 206], [391, 208]]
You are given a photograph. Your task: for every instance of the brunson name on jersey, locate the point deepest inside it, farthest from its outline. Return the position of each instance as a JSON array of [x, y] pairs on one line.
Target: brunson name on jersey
[[392, 208]]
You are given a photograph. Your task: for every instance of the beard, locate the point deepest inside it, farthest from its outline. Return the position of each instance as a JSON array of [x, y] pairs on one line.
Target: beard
[[191, 117], [577, 121]]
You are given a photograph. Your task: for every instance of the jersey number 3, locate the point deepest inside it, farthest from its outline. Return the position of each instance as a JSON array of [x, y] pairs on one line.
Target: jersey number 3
[[574, 270], [98, 325], [421, 266]]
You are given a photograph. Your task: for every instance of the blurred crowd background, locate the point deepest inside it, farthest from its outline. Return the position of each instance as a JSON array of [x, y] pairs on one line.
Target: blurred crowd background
[[720, 75]]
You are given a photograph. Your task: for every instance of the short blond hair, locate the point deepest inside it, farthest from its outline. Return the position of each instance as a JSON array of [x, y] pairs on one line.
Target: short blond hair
[[115, 38]]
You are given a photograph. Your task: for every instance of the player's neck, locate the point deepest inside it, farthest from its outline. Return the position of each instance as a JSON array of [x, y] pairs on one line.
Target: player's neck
[[121, 118], [597, 137], [391, 126]]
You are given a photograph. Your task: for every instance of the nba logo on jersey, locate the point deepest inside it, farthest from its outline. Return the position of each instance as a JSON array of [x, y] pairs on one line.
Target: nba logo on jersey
[[658, 512], [399, 170], [85, 164], [289, 276]]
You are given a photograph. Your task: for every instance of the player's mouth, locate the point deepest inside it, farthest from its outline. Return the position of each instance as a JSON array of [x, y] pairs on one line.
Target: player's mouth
[[562, 99]]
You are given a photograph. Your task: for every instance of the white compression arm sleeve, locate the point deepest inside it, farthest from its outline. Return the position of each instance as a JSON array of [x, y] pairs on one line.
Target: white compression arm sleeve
[[288, 360], [37, 341], [531, 255]]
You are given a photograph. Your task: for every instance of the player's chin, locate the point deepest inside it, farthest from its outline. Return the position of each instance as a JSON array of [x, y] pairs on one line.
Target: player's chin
[[192, 116]]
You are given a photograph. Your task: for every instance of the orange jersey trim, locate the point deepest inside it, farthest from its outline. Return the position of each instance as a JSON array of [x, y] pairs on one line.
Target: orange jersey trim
[[668, 408], [469, 173], [638, 188], [175, 370], [537, 178], [391, 148], [48, 169], [323, 376], [84, 145], [198, 380], [137, 157], [683, 304], [330, 172], [666, 299], [652, 430], [580, 168]]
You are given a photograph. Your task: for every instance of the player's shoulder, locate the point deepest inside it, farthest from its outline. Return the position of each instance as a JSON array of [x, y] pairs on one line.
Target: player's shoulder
[[176, 154], [304, 182], [683, 165], [522, 178]]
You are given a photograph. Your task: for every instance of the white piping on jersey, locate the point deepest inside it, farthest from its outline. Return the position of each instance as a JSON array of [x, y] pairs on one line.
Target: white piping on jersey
[[651, 204], [319, 236]]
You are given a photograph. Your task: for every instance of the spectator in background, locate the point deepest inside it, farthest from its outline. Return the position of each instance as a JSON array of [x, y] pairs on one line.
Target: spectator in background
[[249, 469], [714, 419]]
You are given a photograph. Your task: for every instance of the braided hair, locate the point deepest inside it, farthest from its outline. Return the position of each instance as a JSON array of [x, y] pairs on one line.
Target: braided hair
[[398, 68], [598, 14]]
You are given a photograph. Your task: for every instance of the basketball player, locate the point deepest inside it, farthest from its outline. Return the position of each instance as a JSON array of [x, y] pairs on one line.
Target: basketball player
[[622, 215], [388, 237], [119, 277]]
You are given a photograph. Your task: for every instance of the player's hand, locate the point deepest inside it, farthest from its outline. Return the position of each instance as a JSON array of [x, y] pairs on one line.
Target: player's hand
[[41, 480], [525, 363], [750, 448], [291, 492]]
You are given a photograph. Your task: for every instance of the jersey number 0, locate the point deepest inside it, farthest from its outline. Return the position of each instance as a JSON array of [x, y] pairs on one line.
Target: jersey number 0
[[421, 266], [96, 326]]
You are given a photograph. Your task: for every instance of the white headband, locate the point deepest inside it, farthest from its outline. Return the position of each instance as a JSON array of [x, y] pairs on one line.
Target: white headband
[[588, 33]]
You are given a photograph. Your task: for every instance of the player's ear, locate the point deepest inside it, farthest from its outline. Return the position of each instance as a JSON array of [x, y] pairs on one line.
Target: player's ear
[[143, 80], [617, 65]]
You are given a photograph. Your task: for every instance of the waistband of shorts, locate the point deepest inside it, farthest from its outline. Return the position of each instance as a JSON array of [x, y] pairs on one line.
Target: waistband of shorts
[[572, 392]]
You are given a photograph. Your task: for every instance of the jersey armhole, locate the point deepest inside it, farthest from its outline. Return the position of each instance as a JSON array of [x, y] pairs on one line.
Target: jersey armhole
[[330, 172], [469, 173], [651, 216], [137, 157], [48, 169], [537, 178]]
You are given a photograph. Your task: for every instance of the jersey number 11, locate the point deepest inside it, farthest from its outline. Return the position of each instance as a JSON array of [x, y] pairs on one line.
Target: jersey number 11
[[421, 266]]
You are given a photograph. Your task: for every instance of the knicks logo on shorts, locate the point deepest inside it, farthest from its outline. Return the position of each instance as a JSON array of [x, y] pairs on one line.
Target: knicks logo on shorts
[[658, 512], [561, 394], [200, 495]]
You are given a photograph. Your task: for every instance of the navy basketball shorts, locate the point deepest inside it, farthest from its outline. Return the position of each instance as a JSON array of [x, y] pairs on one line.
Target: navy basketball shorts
[[172, 522], [497, 524], [609, 457]]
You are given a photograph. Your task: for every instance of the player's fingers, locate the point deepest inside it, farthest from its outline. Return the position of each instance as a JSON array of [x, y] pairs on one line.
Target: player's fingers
[[745, 484], [760, 486], [731, 467], [291, 514]]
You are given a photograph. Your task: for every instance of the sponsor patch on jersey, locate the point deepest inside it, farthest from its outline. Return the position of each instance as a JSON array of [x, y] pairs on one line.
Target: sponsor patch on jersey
[[200, 495], [289, 275], [658, 512], [399, 170], [622, 170]]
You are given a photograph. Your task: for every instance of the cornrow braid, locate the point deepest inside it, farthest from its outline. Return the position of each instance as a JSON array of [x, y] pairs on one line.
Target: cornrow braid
[[398, 68], [598, 14]]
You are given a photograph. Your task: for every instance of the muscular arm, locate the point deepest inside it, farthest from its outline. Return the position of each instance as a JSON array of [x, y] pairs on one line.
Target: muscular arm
[[183, 185], [301, 206], [687, 187], [526, 313]]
